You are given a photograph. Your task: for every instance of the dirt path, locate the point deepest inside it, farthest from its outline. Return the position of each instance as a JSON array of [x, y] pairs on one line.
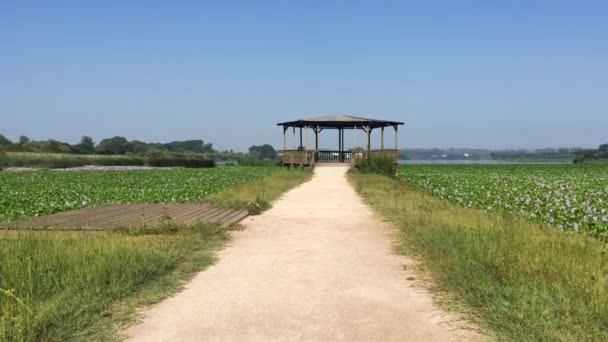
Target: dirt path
[[317, 266]]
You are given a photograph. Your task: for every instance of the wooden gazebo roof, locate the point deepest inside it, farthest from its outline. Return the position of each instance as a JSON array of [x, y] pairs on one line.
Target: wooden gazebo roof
[[339, 121]]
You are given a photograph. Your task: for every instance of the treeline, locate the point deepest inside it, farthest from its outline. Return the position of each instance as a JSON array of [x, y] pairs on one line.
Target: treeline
[[586, 156], [187, 153], [109, 146]]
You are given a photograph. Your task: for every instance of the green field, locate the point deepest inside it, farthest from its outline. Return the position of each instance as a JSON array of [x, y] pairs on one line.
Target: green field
[[60, 285], [35, 193], [565, 197]]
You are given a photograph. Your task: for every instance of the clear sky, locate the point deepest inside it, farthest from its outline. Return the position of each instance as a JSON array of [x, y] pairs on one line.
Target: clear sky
[[493, 74]]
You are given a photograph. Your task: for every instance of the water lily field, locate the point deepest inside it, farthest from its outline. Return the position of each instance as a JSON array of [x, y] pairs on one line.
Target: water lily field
[[35, 193], [566, 197]]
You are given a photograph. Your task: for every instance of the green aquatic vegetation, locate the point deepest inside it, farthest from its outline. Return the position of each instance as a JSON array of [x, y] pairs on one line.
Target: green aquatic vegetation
[[566, 197], [35, 193]]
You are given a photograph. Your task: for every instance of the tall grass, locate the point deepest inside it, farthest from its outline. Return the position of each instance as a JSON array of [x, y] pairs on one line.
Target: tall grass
[[56, 284], [61, 160], [64, 160], [522, 281]]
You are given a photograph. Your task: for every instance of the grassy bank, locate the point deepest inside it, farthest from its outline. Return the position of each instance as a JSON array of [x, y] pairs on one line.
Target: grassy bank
[[65, 160], [57, 286], [257, 195], [515, 278]]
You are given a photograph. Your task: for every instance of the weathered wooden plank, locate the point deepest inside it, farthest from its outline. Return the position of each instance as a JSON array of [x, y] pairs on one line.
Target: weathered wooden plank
[[123, 215], [237, 217], [218, 217], [96, 218], [203, 216], [199, 210]]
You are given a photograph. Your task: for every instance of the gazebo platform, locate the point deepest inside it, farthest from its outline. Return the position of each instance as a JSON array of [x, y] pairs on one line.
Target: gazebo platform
[[303, 156]]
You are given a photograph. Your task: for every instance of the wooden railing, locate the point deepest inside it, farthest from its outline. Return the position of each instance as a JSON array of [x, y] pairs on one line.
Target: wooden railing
[[298, 157], [310, 158], [334, 156]]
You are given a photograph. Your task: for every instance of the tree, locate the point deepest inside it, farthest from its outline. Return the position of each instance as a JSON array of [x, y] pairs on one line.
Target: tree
[[86, 145], [4, 140], [114, 145], [263, 151], [23, 140]]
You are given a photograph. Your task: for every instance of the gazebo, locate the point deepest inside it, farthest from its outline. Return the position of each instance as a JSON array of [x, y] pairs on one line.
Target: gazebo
[[303, 155]]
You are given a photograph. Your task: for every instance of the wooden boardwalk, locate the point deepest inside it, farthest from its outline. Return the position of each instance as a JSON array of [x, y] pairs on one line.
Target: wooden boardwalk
[[113, 216]]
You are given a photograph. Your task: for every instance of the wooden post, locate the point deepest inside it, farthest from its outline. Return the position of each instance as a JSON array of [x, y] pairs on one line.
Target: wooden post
[[342, 154], [368, 130], [284, 139], [339, 142], [306, 143], [382, 138], [294, 137], [301, 145], [396, 137]]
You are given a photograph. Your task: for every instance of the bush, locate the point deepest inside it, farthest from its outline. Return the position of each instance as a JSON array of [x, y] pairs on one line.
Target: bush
[[378, 164]]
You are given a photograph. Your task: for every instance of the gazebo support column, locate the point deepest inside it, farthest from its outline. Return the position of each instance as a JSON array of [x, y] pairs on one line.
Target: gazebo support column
[[340, 145], [306, 144], [396, 127], [382, 138], [284, 138], [368, 131], [301, 145]]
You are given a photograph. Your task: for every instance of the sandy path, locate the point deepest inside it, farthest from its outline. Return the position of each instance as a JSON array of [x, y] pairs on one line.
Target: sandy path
[[317, 266]]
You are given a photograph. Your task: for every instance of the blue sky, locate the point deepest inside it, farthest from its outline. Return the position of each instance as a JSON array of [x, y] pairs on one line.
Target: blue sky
[[493, 74]]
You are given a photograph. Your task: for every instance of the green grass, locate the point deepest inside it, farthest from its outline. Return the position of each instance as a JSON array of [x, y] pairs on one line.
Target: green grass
[[59, 286], [519, 280]]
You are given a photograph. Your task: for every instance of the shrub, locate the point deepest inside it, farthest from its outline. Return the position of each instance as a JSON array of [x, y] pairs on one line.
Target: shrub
[[383, 165]]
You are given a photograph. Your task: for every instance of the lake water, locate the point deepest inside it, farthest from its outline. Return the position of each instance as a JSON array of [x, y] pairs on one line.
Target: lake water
[[474, 162]]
